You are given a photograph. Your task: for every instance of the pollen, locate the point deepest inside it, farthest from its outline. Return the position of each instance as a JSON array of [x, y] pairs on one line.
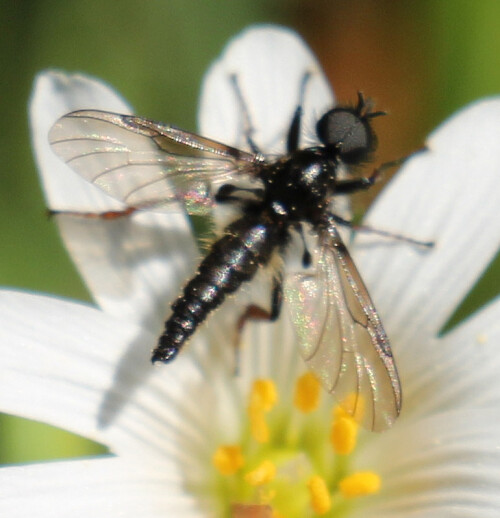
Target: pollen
[[321, 500], [360, 484], [262, 474], [263, 394], [307, 393], [343, 435], [228, 459]]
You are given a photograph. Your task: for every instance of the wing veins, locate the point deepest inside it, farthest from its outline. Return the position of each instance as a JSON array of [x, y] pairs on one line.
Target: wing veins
[[100, 145], [155, 131], [341, 336], [96, 153], [329, 312], [146, 185], [373, 326], [83, 139]]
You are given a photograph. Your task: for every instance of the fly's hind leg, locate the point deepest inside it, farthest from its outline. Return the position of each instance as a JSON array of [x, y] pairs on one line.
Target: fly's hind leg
[[254, 312], [109, 214]]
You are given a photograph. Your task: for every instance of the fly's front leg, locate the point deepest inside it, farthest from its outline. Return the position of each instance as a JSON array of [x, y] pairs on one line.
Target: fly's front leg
[[248, 129], [293, 137], [295, 126], [349, 186]]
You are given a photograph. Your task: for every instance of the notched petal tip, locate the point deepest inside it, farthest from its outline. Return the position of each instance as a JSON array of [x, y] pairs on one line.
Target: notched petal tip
[[62, 92], [54, 94]]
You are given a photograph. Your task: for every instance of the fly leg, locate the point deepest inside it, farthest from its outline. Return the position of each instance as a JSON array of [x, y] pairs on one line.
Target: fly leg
[[294, 130], [109, 214], [348, 186], [276, 297], [293, 137], [392, 235], [254, 312], [226, 191], [306, 256], [248, 128]]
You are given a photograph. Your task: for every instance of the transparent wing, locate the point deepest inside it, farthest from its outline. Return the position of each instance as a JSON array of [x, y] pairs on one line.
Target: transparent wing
[[146, 164], [341, 337]]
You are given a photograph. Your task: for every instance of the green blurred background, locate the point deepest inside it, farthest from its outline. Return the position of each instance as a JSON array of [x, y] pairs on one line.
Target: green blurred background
[[420, 61]]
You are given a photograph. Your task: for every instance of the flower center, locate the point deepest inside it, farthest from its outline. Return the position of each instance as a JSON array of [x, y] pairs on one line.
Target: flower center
[[292, 460]]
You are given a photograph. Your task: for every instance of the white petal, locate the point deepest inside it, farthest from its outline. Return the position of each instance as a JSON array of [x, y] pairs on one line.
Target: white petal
[[74, 367], [58, 359], [133, 265], [457, 371], [446, 465], [55, 94], [449, 195], [108, 487], [269, 63]]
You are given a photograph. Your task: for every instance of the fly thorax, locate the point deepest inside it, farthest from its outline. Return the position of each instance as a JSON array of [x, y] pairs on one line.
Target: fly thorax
[[313, 178], [310, 184], [295, 185]]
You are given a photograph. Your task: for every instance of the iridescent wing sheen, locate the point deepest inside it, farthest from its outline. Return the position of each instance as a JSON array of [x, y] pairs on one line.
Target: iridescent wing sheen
[[341, 337], [147, 164]]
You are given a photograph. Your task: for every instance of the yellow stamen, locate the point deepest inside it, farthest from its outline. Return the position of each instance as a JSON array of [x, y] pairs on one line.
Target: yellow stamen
[[307, 393], [360, 484], [353, 405], [321, 500], [343, 435], [262, 474], [258, 425], [263, 394], [263, 397], [228, 459]]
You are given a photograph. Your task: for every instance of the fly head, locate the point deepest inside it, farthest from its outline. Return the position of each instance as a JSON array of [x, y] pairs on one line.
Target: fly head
[[347, 131]]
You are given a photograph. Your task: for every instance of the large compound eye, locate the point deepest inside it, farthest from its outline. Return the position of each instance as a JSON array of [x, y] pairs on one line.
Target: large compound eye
[[348, 132]]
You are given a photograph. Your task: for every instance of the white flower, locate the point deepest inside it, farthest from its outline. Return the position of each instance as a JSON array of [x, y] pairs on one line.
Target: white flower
[[87, 369]]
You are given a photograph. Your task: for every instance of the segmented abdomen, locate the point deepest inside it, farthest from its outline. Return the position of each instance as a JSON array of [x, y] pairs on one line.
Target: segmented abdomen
[[246, 244]]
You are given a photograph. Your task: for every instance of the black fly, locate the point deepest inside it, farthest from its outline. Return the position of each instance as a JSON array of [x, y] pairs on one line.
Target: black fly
[[151, 165]]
